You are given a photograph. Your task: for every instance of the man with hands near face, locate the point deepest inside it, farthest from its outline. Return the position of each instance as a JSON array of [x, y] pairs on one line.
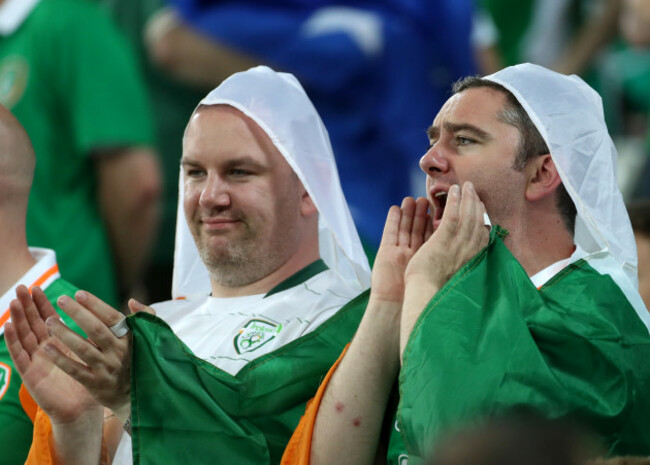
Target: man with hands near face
[[544, 315], [267, 259]]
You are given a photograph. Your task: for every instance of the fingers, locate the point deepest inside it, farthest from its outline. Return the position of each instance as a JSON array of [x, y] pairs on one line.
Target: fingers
[[429, 230], [136, 307], [406, 221], [37, 309], [451, 214], [469, 211], [19, 355], [75, 369], [45, 308], [26, 337], [389, 237], [86, 351], [421, 222], [93, 316]]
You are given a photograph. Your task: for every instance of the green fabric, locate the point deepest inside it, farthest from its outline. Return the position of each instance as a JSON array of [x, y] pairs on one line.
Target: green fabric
[[299, 277], [185, 410], [71, 80], [511, 19], [16, 427], [489, 341]]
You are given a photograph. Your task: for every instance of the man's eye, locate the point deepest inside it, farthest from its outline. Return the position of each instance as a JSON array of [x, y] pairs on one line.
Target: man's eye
[[237, 172], [194, 173], [460, 140]]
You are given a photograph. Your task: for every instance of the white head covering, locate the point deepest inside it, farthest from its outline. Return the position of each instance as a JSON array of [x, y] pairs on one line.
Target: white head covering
[[569, 115], [280, 106]]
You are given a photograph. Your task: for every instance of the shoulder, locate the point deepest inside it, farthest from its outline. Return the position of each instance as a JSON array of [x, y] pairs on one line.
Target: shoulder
[[592, 303]]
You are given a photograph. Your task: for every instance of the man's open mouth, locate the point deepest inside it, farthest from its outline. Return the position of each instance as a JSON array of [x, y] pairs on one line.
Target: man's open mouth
[[439, 203]]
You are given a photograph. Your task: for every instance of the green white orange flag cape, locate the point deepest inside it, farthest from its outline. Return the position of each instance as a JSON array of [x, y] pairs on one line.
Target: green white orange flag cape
[[191, 409], [578, 346]]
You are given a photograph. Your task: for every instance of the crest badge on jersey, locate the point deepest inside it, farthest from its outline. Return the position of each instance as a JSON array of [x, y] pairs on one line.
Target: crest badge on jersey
[[255, 334], [5, 378]]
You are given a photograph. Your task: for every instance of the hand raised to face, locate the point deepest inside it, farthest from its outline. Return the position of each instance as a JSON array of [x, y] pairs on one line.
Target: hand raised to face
[[407, 228], [460, 236]]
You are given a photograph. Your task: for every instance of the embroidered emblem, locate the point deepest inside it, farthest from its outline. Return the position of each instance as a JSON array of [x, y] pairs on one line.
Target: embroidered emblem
[[14, 71], [255, 334], [5, 377]]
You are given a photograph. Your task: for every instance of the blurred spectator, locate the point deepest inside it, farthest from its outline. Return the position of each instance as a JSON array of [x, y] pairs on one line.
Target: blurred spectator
[[375, 71], [517, 440], [172, 103], [71, 80], [564, 35], [635, 22]]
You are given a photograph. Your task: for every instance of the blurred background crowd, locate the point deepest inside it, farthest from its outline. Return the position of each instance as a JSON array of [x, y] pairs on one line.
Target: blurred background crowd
[[105, 88]]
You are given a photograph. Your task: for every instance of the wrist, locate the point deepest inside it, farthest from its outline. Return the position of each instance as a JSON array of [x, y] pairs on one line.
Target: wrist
[[123, 413], [80, 421], [421, 284]]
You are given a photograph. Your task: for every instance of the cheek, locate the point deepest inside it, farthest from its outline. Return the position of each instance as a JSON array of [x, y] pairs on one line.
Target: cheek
[[191, 196]]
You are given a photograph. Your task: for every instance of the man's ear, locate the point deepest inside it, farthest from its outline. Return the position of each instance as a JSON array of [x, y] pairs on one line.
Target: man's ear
[[307, 206], [543, 178]]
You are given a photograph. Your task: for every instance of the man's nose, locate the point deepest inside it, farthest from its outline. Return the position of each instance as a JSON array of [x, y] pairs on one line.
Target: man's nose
[[215, 193], [434, 161]]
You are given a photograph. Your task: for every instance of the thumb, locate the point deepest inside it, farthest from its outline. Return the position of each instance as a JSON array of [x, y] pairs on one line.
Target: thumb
[[136, 307]]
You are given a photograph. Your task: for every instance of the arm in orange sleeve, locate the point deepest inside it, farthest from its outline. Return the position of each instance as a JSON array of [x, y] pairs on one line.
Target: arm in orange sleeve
[[42, 451], [298, 450]]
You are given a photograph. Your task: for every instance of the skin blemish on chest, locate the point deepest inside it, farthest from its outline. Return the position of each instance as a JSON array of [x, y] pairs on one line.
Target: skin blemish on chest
[[356, 421], [339, 406]]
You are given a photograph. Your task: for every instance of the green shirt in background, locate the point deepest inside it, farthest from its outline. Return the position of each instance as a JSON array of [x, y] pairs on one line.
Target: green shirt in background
[[72, 81]]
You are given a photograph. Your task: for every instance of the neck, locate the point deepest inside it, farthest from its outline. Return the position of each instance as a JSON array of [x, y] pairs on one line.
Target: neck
[[296, 262], [540, 241], [16, 253]]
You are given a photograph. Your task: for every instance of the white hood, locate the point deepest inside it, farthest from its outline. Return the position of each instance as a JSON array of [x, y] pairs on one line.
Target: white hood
[[280, 106], [569, 115]]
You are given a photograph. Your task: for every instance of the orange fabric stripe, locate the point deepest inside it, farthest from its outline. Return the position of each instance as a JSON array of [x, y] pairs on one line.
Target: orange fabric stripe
[[29, 405], [44, 277], [42, 450], [298, 450], [41, 437], [4, 318]]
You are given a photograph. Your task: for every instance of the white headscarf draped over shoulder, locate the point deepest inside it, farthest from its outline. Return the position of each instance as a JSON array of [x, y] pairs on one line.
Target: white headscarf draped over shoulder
[[569, 115], [280, 106]]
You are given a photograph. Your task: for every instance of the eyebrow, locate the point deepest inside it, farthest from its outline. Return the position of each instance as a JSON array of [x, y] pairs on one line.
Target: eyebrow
[[234, 162], [433, 131]]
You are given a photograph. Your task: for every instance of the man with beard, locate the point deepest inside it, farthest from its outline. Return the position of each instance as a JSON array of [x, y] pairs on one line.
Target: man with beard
[[267, 261], [545, 317]]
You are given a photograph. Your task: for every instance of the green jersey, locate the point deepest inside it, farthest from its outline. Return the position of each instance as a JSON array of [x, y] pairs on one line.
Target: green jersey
[[241, 404], [72, 82]]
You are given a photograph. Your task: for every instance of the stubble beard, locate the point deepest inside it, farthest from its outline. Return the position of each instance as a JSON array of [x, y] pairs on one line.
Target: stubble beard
[[240, 261]]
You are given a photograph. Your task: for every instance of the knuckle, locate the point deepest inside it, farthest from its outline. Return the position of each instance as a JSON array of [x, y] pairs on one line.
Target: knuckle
[[96, 328]]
